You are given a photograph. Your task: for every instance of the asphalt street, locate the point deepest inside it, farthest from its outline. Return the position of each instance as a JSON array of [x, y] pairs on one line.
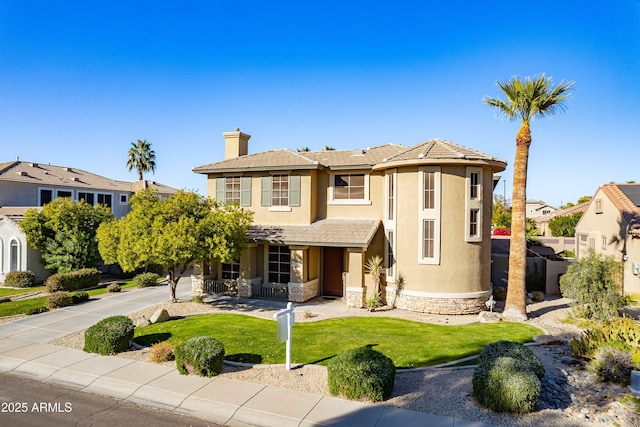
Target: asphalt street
[[25, 402]]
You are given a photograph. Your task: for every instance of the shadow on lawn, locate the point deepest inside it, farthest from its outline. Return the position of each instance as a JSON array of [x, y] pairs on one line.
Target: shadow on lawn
[[151, 339]]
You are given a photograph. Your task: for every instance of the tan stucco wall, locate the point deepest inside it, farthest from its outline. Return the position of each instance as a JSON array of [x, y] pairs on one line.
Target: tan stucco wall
[[464, 266], [609, 223]]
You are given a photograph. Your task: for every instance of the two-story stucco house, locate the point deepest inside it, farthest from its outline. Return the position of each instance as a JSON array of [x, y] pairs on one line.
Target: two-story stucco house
[[611, 226], [25, 185], [320, 216]]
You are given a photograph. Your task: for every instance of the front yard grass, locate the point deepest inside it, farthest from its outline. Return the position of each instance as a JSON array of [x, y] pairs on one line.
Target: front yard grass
[[7, 292], [409, 344], [13, 308]]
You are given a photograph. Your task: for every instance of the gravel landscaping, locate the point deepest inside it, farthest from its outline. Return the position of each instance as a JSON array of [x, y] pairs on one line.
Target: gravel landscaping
[[570, 396]]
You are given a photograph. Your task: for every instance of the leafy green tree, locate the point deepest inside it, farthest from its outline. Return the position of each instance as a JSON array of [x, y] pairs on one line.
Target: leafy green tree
[[173, 233], [595, 283], [584, 199], [564, 226], [141, 157], [524, 100], [64, 233], [501, 213], [533, 233]]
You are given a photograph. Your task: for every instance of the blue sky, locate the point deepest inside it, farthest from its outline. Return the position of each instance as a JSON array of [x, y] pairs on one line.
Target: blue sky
[[80, 80]]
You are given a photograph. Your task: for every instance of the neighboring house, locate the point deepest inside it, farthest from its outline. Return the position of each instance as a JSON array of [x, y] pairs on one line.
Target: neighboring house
[[25, 185], [543, 221], [536, 208], [320, 216], [611, 226]]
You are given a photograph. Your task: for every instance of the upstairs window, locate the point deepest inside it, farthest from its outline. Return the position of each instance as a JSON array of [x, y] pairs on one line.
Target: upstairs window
[[280, 191], [473, 205], [348, 187], [46, 195], [234, 189], [429, 215], [105, 199], [87, 197]]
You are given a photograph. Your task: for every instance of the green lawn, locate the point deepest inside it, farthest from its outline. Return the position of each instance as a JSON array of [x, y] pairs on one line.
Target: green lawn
[[409, 344], [7, 292], [13, 308]]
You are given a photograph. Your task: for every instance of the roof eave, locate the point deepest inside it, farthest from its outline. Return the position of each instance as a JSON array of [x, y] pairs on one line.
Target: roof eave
[[496, 165], [208, 171]]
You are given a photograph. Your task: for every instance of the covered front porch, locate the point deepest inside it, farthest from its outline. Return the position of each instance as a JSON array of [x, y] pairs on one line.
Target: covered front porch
[[296, 263]]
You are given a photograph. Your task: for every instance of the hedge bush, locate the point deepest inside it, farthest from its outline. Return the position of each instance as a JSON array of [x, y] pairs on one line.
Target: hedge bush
[[361, 374], [79, 297], [506, 385], [113, 287], [79, 279], [109, 336], [514, 350], [507, 378], [145, 280], [20, 279], [59, 299], [36, 310], [200, 355]]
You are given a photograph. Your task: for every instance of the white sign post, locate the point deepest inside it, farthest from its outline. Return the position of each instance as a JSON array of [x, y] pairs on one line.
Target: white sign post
[[286, 318]]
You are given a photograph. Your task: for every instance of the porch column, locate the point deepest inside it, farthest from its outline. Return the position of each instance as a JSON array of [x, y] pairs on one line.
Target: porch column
[[300, 287], [355, 290], [247, 271]]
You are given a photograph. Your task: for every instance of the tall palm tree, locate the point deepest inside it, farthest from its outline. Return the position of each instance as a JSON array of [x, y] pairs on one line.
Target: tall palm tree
[[525, 99], [141, 157]]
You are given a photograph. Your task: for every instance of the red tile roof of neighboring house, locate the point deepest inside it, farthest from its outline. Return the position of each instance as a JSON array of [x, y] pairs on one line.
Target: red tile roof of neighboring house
[[629, 210], [582, 207]]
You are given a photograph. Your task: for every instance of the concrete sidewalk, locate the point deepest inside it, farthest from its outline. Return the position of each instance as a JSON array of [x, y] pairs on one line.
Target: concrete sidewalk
[[24, 351]]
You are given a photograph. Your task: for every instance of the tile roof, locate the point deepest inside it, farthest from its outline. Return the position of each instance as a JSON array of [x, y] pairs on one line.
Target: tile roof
[[629, 210], [358, 157], [582, 207], [440, 149], [15, 213], [265, 160], [434, 149], [326, 232], [41, 174]]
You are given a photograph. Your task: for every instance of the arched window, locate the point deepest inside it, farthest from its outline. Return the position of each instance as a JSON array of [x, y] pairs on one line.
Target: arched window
[[1, 257], [14, 255]]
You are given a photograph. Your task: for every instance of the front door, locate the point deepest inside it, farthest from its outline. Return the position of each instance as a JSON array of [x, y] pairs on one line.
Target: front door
[[332, 268]]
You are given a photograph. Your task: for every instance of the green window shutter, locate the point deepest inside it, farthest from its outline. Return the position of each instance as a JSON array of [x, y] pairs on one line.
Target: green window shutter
[[220, 190], [245, 191], [294, 190], [266, 191]]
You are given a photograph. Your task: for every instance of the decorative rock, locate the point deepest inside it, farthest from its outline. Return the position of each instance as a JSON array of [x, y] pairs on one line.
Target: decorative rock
[[161, 315], [489, 317], [141, 322], [547, 339], [537, 296]]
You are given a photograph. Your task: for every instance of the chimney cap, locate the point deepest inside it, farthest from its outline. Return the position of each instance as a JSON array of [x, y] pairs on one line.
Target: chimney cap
[[237, 129]]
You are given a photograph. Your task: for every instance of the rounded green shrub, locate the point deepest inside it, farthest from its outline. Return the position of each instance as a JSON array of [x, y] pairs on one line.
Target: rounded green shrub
[[506, 385], [514, 350], [20, 279], [79, 279], [361, 374], [109, 336], [59, 299], [145, 280], [79, 297], [36, 310], [200, 355]]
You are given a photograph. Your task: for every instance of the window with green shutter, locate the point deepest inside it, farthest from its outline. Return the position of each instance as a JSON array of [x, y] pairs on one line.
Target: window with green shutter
[[280, 190]]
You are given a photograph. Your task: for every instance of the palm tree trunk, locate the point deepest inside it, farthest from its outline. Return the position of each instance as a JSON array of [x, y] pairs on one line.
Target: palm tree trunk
[[515, 306]]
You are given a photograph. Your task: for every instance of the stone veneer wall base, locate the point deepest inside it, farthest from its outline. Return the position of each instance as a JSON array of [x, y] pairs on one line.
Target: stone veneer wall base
[[355, 297], [301, 292], [437, 304]]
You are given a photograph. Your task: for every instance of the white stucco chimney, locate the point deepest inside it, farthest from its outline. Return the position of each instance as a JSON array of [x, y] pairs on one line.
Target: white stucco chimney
[[236, 144]]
